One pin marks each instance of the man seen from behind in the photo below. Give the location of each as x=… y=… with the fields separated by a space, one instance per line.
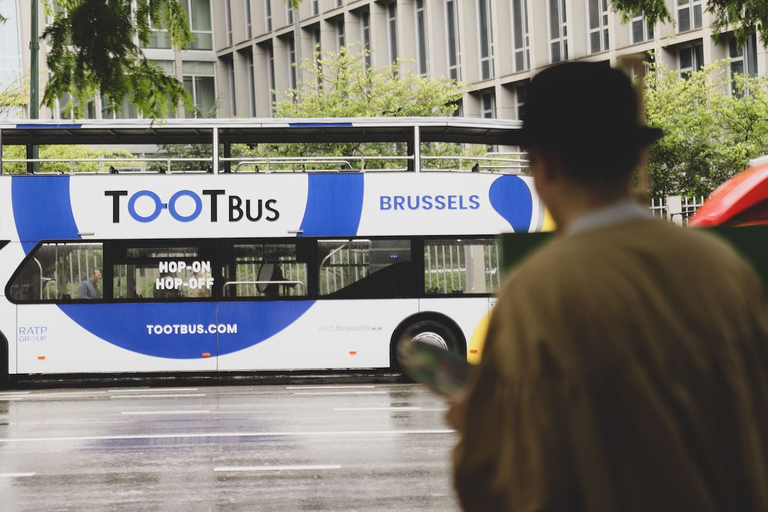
x=626 y=365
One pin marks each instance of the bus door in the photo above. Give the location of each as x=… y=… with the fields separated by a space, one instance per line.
x=168 y=288
x=265 y=291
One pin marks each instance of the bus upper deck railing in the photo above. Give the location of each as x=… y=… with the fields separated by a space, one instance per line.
x=506 y=163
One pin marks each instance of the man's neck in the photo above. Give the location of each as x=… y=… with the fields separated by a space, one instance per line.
x=577 y=203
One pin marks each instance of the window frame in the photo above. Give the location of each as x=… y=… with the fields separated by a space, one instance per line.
x=420 y=15
x=691 y=6
x=599 y=27
x=453 y=41
x=521 y=42
x=219 y=253
x=485 y=40
x=561 y=38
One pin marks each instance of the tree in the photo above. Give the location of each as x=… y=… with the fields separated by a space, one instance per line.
x=710 y=135
x=67 y=156
x=14 y=95
x=93 y=49
x=745 y=16
x=342 y=85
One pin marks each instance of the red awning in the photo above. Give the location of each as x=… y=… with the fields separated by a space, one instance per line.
x=741 y=200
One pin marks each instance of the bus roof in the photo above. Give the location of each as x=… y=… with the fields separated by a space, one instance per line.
x=201 y=131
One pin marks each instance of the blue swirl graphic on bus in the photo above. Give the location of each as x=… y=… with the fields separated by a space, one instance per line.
x=334 y=205
x=42 y=209
x=186 y=330
x=512 y=199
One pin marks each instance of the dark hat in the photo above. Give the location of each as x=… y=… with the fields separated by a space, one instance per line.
x=583 y=105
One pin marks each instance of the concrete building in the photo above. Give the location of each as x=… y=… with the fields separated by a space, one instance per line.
x=196 y=66
x=495 y=46
x=245 y=49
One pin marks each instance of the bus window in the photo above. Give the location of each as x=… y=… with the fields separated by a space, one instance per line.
x=164 y=271
x=55 y=271
x=365 y=269
x=461 y=266
x=265 y=270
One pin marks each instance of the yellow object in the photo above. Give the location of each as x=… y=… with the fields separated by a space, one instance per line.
x=549 y=222
x=477 y=341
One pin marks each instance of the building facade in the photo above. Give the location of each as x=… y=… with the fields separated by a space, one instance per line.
x=195 y=66
x=246 y=51
x=494 y=46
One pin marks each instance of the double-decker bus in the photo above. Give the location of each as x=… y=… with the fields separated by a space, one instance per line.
x=245 y=259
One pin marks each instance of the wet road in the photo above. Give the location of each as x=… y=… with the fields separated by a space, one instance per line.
x=378 y=447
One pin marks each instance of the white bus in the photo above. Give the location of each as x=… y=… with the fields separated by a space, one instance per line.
x=227 y=263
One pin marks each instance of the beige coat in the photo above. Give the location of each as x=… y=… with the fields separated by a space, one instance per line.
x=626 y=369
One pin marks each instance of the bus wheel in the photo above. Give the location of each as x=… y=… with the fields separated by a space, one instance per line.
x=429 y=331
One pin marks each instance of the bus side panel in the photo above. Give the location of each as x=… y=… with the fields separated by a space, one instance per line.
x=330 y=334
x=52 y=341
x=467 y=312
x=10 y=257
x=8 y=331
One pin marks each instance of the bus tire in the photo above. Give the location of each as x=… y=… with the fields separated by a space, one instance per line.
x=4 y=379
x=435 y=329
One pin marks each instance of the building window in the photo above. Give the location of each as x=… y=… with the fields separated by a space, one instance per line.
x=743 y=61
x=366 y=36
x=11 y=69
x=690 y=58
x=339 y=3
x=558 y=31
x=520 y=37
x=452 y=33
x=315 y=7
x=292 y=62
x=289 y=13
x=688 y=15
x=520 y=95
x=485 y=28
x=421 y=37
x=126 y=111
x=199 y=14
x=598 y=26
x=251 y=84
x=340 y=41
x=640 y=29
x=271 y=74
x=228 y=17
x=160 y=39
x=317 y=49
x=232 y=94
x=268 y=15
x=199 y=81
x=316 y=41
x=488 y=105
x=248 y=30
x=392 y=30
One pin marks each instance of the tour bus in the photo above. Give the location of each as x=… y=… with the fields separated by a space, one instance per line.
x=245 y=259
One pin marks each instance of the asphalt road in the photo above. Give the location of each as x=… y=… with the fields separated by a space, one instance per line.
x=367 y=447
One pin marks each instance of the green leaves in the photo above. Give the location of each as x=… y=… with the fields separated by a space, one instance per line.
x=92 y=49
x=710 y=133
x=744 y=17
x=341 y=85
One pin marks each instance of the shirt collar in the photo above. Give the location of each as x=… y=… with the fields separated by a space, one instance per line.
x=620 y=212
